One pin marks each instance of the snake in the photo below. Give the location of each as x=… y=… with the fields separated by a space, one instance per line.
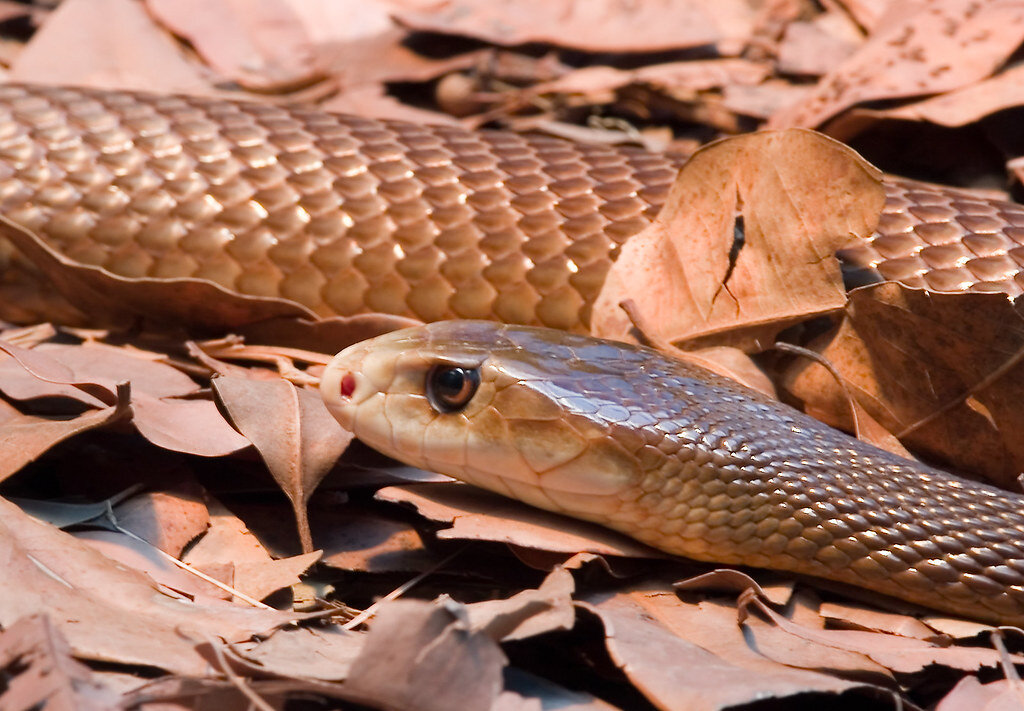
x=512 y=235
x=675 y=456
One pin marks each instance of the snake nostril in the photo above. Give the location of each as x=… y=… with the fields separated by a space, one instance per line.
x=348 y=385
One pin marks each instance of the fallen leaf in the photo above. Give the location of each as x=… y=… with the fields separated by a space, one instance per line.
x=901 y=654
x=971 y=695
x=475 y=514
x=108 y=612
x=39 y=672
x=168 y=520
x=291 y=429
x=121 y=301
x=600 y=25
x=681 y=271
x=695 y=679
x=528 y=613
x=23 y=438
x=917 y=48
x=305 y=652
x=922 y=364
x=106 y=43
x=261 y=46
x=426 y=656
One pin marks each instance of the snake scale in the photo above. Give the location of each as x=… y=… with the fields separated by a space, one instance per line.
x=348 y=215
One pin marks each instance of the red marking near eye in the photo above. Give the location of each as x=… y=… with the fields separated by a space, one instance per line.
x=348 y=385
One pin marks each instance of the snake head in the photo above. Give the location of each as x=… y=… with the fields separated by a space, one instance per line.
x=486 y=404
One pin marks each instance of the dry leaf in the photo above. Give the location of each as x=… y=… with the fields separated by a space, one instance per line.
x=962 y=106
x=293 y=432
x=695 y=679
x=917 y=48
x=111 y=43
x=971 y=695
x=475 y=514
x=23 y=438
x=40 y=675
x=598 y=25
x=802 y=197
x=108 y=612
x=168 y=520
x=907 y=355
x=115 y=300
x=426 y=656
x=528 y=613
x=260 y=45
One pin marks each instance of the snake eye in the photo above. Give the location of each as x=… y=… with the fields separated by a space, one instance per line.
x=450 y=388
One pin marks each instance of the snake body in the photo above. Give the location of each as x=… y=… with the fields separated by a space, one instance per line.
x=348 y=215
x=684 y=460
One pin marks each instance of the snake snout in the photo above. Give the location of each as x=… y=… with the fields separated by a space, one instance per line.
x=343 y=387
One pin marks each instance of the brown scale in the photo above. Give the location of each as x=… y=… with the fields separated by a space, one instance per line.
x=346 y=214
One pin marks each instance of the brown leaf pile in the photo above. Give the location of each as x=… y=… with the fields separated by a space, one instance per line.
x=183 y=526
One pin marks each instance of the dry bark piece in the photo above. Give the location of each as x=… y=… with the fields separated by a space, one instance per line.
x=40 y=674
x=938 y=370
x=475 y=514
x=426 y=656
x=291 y=429
x=802 y=196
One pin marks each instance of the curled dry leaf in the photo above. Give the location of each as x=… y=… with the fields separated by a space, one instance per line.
x=755 y=645
x=941 y=371
x=326 y=335
x=291 y=429
x=89 y=373
x=971 y=695
x=230 y=548
x=963 y=106
x=801 y=196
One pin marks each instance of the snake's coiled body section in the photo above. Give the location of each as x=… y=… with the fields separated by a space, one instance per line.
x=685 y=460
x=346 y=215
